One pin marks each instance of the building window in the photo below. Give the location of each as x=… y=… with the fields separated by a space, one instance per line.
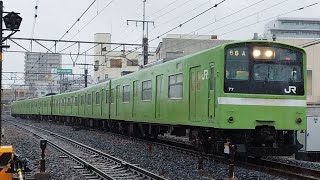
x=309 y=82
x=89 y=99
x=106 y=76
x=132 y=62
x=112 y=96
x=126 y=93
x=115 y=63
x=176 y=86
x=97 y=97
x=146 y=90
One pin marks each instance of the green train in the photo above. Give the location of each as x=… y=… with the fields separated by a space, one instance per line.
x=250 y=94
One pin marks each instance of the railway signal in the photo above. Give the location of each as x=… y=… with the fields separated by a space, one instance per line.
x=12 y=22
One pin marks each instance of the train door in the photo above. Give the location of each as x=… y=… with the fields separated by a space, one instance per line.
x=194 y=94
x=117 y=99
x=135 y=98
x=158 y=96
x=211 y=111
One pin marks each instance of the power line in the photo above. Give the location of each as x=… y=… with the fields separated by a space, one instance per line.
x=298 y=9
x=192 y=10
x=180 y=25
x=230 y=22
x=77 y=20
x=163 y=8
x=88 y=22
x=35 y=18
x=179 y=6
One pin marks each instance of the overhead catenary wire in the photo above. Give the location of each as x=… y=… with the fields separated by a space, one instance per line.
x=35 y=18
x=185 y=22
x=77 y=20
x=288 y=12
x=298 y=9
x=232 y=22
x=98 y=13
x=194 y=17
x=67 y=31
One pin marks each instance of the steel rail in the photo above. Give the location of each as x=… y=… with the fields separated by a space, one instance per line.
x=135 y=169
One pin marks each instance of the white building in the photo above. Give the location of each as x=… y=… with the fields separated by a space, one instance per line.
x=112 y=64
x=285 y=27
x=38 y=68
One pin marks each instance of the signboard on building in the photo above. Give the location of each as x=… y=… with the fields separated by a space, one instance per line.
x=61 y=71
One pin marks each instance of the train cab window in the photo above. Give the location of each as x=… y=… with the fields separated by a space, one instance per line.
x=112 y=96
x=107 y=96
x=126 y=93
x=146 y=90
x=212 y=77
x=97 y=97
x=237 y=64
x=89 y=99
x=176 y=86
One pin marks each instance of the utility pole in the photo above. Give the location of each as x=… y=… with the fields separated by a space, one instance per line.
x=85 y=72
x=12 y=22
x=1 y=11
x=145 y=25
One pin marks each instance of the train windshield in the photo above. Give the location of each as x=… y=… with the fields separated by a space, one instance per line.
x=264 y=70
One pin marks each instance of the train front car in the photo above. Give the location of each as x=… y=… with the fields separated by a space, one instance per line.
x=263 y=102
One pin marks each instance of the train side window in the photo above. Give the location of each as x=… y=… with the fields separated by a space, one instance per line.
x=97 y=97
x=212 y=77
x=75 y=101
x=176 y=86
x=82 y=100
x=199 y=80
x=69 y=102
x=89 y=99
x=126 y=93
x=146 y=90
x=107 y=95
x=112 y=96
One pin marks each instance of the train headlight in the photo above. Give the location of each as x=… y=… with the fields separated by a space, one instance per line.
x=268 y=53
x=263 y=53
x=230 y=119
x=299 y=120
x=256 y=53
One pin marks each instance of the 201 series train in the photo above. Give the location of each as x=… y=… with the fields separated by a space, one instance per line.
x=249 y=93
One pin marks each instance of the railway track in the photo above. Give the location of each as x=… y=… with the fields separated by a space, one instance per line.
x=90 y=163
x=262 y=165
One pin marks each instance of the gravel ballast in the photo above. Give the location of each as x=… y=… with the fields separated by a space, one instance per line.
x=167 y=163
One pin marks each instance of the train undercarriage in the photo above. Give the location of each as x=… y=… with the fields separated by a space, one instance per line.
x=258 y=142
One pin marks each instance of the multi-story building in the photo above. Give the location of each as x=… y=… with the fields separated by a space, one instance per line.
x=112 y=64
x=177 y=45
x=284 y=27
x=38 y=68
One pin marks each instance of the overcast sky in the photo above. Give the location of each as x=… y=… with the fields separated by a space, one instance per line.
x=55 y=17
